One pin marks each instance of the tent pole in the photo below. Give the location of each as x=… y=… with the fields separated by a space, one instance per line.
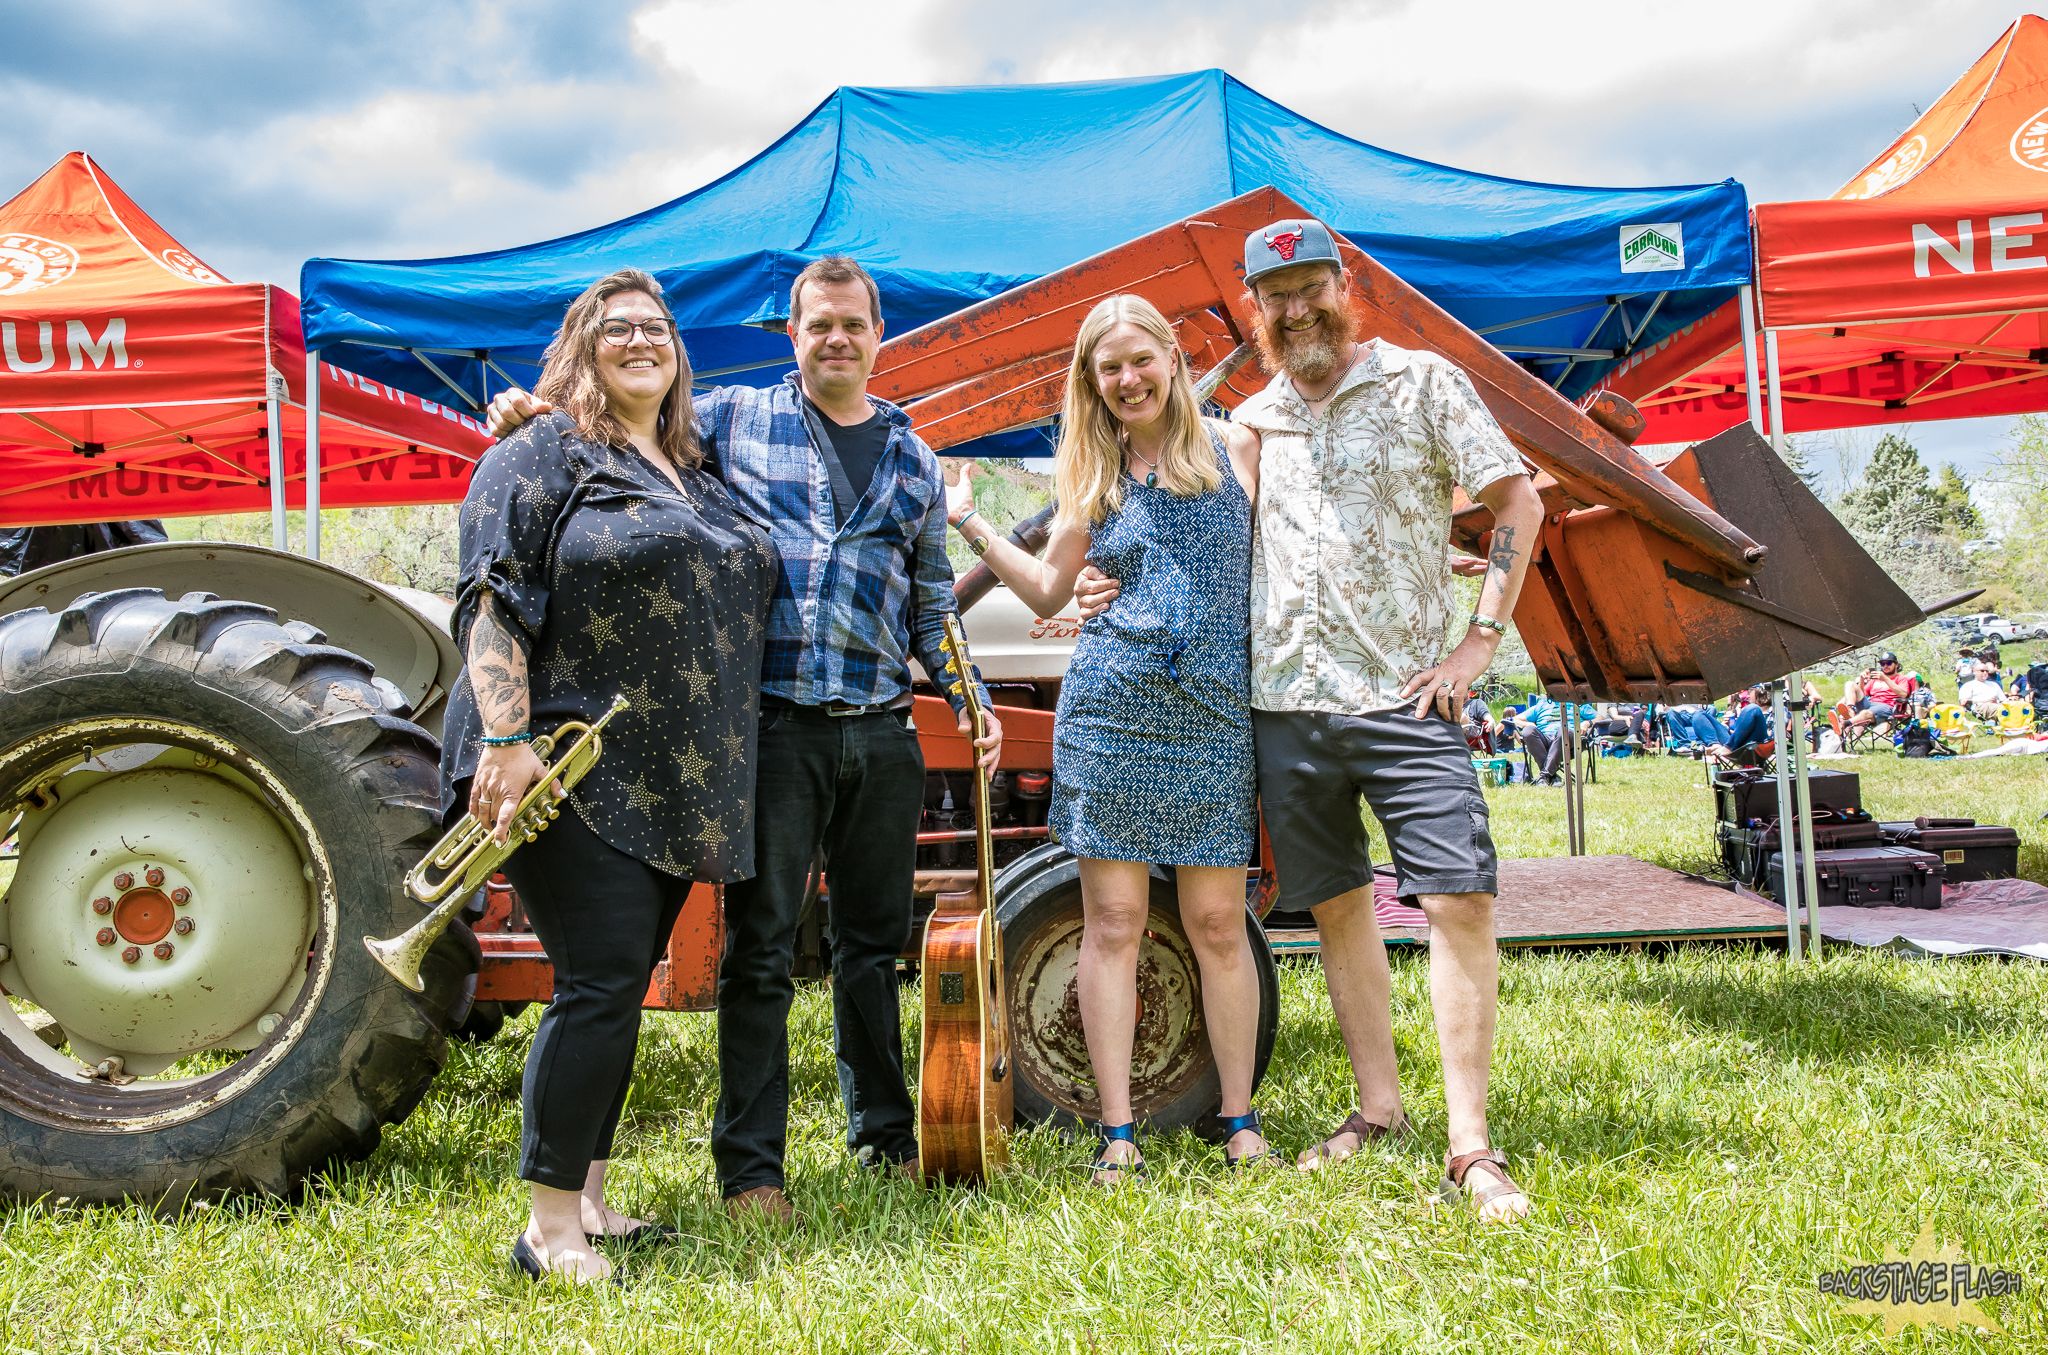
x=1777 y=396
x=279 y=538
x=1749 y=386
x=1788 y=846
x=1802 y=793
x=312 y=453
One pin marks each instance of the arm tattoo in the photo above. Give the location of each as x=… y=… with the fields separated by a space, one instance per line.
x=497 y=673
x=1502 y=556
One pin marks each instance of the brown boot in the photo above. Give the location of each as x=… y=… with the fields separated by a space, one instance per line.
x=766 y=1204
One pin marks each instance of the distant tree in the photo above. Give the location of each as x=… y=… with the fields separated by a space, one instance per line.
x=1954 y=493
x=1892 y=498
x=2019 y=482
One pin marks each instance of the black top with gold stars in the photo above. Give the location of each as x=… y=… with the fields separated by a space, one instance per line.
x=618 y=585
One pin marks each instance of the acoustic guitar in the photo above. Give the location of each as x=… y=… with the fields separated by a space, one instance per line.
x=964 y=1092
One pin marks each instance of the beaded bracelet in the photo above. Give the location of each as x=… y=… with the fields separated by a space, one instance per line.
x=1488 y=623
x=506 y=740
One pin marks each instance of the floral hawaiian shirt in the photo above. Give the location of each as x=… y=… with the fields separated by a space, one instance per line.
x=1351 y=586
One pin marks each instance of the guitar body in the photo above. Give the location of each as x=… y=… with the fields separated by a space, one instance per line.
x=964 y=1091
x=964 y=1108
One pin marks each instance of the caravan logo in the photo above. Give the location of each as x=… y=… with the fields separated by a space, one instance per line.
x=2030 y=142
x=1655 y=248
x=185 y=266
x=1901 y=165
x=29 y=261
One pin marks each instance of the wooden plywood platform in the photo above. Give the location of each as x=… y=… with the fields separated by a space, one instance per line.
x=1589 y=901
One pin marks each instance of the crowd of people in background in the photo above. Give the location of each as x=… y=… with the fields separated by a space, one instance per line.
x=1881 y=700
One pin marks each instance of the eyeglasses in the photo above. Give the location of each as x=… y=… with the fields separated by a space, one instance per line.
x=619 y=333
x=1889 y=663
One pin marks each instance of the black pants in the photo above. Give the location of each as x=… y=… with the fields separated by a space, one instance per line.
x=852 y=786
x=1542 y=752
x=604 y=918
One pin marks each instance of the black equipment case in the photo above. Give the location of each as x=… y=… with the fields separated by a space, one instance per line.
x=1968 y=850
x=1746 y=852
x=1869 y=877
x=1746 y=795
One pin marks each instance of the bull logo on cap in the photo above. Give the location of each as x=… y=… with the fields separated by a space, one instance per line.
x=1283 y=244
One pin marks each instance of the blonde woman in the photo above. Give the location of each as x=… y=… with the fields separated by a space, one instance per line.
x=1152 y=745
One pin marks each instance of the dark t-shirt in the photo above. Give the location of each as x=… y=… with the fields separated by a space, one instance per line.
x=859 y=446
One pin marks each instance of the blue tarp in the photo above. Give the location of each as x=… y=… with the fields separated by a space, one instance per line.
x=949 y=196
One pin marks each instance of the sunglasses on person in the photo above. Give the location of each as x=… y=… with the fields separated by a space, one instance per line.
x=1889 y=664
x=619 y=333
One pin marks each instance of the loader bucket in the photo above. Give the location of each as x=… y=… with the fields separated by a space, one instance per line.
x=1618 y=611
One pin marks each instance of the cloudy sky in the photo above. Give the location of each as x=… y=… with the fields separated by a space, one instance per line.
x=262 y=132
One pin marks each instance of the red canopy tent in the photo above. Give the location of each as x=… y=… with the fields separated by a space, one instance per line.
x=135 y=381
x=1919 y=291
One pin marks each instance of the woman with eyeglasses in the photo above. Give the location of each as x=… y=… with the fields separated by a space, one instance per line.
x=600 y=560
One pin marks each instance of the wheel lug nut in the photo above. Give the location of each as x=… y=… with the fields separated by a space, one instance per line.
x=103 y=905
x=154 y=876
x=183 y=926
x=124 y=881
x=105 y=936
x=163 y=950
x=181 y=896
x=131 y=955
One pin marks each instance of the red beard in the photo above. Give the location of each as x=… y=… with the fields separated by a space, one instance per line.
x=1311 y=357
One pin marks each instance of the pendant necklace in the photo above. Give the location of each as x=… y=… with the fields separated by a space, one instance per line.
x=1151 y=475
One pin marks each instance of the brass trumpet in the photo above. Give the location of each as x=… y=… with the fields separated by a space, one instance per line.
x=466 y=856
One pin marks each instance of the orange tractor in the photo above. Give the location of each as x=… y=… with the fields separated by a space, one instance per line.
x=217 y=763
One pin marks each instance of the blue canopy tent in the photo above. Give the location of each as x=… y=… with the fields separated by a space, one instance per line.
x=949 y=196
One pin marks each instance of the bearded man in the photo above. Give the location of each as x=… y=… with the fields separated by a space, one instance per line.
x=1356 y=684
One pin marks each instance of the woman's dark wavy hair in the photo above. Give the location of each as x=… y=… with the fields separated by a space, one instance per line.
x=570 y=382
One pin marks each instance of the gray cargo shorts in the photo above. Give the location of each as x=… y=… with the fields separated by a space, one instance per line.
x=1416 y=775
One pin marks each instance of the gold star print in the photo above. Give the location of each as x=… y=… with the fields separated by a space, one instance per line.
x=635 y=509
x=638 y=796
x=662 y=604
x=699 y=680
x=668 y=865
x=602 y=629
x=702 y=573
x=693 y=764
x=735 y=746
x=750 y=626
x=722 y=642
x=479 y=509
x=560 y=669
x=712 y=834
x=535 y=489
x=605 y=546
x=641 y=695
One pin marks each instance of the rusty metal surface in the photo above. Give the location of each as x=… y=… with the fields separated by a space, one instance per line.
x=1027 y=736
x=1000 y=363
x=515 y=968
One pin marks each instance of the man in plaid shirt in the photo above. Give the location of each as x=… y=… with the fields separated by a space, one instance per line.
x=839 y=768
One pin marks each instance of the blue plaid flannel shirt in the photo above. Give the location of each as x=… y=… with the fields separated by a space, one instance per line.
x=856 y=597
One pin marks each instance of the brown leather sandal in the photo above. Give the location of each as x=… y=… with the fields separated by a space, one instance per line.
x=1456 y=1169
x=1366 y=1132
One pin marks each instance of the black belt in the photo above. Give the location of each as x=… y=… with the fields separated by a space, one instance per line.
x=835 y=709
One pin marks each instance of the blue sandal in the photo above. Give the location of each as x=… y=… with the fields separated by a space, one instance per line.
x=1233 y=1125
x=1114 y=1133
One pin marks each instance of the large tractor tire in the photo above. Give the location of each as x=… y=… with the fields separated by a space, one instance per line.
x=212 y=808
x=1173 y=1073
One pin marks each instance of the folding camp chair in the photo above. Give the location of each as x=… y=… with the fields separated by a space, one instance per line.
x=2015 y=720
x=1953 y=725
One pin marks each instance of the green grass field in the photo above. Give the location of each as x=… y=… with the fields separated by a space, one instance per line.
x=1703 y=1132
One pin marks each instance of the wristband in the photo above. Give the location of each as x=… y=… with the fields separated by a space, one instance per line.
x=1488 y=624
x=506 y=740
x=961 y=525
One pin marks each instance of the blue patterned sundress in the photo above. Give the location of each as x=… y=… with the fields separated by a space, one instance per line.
x=1152 y=741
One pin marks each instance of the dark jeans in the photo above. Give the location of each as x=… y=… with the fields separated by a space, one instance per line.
x=1541 y=753
x=604 y=918
x=852 y=786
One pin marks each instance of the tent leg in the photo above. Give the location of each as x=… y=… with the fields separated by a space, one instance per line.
x=1802 y=790
x=312 y=453
x=1789 y=876
x=1749 y=383
x=1777 y=396
x=279 y=538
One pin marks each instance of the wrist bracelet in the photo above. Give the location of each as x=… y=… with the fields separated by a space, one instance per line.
x=506 y=740
x=961 y=525
x=1496 y=627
